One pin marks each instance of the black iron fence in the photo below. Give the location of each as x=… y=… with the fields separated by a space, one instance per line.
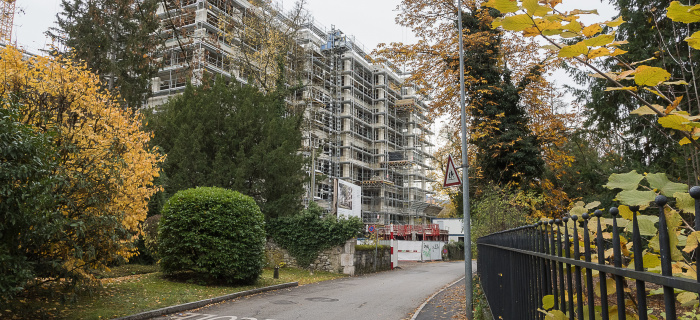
x=520 y=267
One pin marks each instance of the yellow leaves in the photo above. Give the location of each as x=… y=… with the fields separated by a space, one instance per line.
x=615 y=23
x=674 y=121
x=573 y=50
x=644 y=110
x=600 y=52
x=694 y=40
x=504 y=6
x=621 y=88
x=692 y=242
x=650 y=76
x=600 y=40
x=109 y=145
x=591 y=30
x=682 y=13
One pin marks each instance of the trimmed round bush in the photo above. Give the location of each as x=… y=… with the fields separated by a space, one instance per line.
x=216 y=233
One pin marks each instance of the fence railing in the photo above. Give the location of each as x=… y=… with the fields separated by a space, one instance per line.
x=519 y=267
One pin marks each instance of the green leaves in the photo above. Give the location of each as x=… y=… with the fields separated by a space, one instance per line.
x=660 y=182
x=573 y=50
x=518 y=22
x=624 y=181
x=635 y=198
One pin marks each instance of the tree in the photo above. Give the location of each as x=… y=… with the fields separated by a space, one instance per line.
x=235 y=137
x=434 y=66
x=101 y=155
x=508 y=152
x=116 y=39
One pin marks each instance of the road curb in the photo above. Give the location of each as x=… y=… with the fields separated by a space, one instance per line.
x=415 y=314
x=202 y=303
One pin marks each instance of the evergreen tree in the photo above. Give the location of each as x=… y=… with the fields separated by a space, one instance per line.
x=235 y=137
x=116 y=39
x=508 y=152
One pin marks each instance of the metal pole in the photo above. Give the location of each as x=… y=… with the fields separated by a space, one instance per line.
x=465 y=173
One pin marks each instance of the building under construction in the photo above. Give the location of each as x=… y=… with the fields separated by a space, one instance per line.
x=365 y=126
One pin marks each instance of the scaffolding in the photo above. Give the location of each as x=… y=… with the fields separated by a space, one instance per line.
x=7 y=17
x=365 y=126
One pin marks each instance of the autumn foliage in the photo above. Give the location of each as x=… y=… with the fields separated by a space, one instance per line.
x=102 y=157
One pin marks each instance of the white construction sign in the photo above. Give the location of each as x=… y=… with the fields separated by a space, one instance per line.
x=348 y=199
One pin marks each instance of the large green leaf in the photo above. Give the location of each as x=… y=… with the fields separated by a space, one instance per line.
x=646 y=227
x=534 y=8
x=624 y=181
x=518 y=22
x=600 y=40
x=660 y=182
x=684 y=202
x=635 y=197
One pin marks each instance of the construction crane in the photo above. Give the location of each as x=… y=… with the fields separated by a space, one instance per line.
x=7 y=17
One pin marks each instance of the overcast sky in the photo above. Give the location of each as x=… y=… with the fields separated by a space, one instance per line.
x=370 y=21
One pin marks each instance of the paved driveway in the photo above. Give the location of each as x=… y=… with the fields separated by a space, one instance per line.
x=385 y=295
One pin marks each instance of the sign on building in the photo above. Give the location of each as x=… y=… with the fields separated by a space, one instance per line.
x=348 y=199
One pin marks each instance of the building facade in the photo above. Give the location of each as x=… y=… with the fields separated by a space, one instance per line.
x=364 y=125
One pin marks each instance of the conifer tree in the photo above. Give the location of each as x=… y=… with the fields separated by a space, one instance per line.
x=233 y=136
x=116 y=39
x=508 y=152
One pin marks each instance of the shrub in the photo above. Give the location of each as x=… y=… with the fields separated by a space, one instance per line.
x=216 y=233
x=499 y=209
x=307 y=234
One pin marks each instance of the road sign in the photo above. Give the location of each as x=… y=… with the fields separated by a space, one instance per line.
x=451 y=174
x=371 y=228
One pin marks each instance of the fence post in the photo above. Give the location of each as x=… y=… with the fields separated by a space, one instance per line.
x=579 y=285
x=617 y=262
x=601 y=260
x=553 y=265
x=665 y=253
x=695 y=193
x=638 y=265
x=589 y=272
x=569 y=280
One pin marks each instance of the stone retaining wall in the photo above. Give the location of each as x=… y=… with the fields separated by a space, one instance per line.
x=341 y=259
x=365 y=260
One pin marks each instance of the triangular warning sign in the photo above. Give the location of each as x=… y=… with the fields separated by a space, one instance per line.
x=451 y=175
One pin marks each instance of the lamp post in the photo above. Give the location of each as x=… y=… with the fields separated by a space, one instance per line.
x=465 y=173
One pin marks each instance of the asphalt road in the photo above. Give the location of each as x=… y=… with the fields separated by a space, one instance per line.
x=385 y=295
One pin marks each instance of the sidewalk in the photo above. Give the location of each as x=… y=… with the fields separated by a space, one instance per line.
x=448 y=304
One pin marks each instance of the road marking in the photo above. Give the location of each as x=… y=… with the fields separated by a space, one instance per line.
x=204 y=316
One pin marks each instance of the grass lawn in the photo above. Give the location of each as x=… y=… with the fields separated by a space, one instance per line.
x=135 y=290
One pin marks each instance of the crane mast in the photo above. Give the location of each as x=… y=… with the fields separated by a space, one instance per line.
x=7 y=16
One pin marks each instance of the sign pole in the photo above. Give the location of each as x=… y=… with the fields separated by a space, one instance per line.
x=465 y=173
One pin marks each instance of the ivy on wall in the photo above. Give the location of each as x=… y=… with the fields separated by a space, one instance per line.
x=307 y=234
